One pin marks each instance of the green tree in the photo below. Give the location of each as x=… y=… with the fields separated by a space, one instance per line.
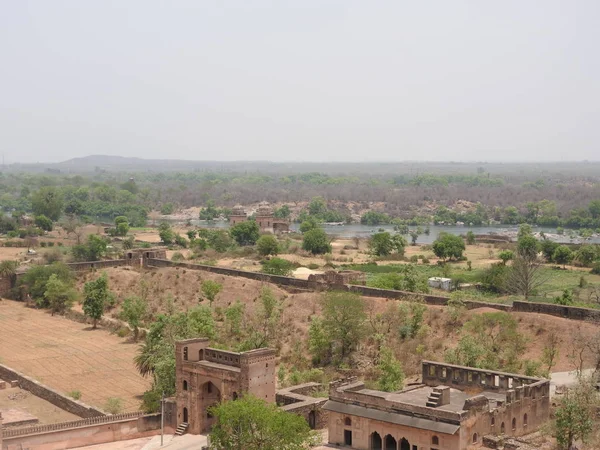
x=309 y=224
x=121 y=225
x=282 y=213
x=343 y=320
x=93 y=250
x=562 y=255
x=250 y=423
x=43 y=222
x=505 y=256
x=210 y=212
x=448 y=246
x=166 y=233
x=278 y=266
x=96 y=297
x=267 y=245
x=36 y=280
x=316 y=241
x=391 y=375
x=59 y=295
x=470 y=238
x=48 y=201
x=317 y=206
x=586 y=254
x=384 y=243
x=594 y=208
x=245 y=233
x=525 y=274
x=8 y=269
x=211 y=289
x=319 y=344
x=133 y=311
x=574 y=415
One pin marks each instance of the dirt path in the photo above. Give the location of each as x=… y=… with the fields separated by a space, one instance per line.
x=69 y=356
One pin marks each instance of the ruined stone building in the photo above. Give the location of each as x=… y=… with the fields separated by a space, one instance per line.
x=452 y=409
x=206 y=376
x=264 y=216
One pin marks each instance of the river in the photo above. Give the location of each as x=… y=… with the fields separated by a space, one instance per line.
x=359 y=230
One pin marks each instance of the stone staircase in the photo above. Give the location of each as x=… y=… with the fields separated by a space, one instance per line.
x=435 y=399
x=181 y=429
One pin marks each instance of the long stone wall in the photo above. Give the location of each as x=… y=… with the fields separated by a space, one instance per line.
x=317 y=286
x=91 y=265
x=96 y=430
x=56 y=398
x=569 y=312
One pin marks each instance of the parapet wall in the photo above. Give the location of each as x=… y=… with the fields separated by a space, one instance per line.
x=97 y=430
x=91 y=265
x=38 y=389
x=461 y=377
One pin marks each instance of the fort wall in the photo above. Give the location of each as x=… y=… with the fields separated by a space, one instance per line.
x=95 y=430
x=56 y=398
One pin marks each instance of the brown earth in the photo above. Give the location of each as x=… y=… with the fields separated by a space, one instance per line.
x=68 y=356
x=46 y=412
x=183 y=285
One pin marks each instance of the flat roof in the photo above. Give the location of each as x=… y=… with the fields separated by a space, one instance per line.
x=397 y=418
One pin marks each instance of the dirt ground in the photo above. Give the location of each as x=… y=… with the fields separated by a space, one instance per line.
x=46 y=412
x=183 y=286
x=69 y=356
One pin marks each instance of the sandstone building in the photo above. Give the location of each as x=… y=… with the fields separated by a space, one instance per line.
x=267 y=222
x=206 y=376
x=452 y=409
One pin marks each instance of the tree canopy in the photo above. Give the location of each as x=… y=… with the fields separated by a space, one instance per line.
x=448 y=246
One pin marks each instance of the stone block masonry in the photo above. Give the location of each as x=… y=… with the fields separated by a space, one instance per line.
x=56 y=398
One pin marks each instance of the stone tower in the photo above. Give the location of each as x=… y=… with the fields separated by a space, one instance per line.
x=206 y=376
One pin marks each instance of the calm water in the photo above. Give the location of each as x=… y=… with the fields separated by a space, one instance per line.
x=358 y=230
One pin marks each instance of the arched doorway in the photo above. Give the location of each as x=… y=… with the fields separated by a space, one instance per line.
x=210 y=395
x=376 y=443
x=185 y=415
x=311 y=420
x=404 y=445
x=390 y=443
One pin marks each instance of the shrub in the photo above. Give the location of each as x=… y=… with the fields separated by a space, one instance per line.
x=114 y=405
x=267 y=244
x=596 y=268
x=74 y=394
x=316 y=241
x=313 y=266
x=278 y=266
x=177 y=256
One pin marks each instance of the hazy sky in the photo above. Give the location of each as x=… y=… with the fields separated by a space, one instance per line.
x=304 y=80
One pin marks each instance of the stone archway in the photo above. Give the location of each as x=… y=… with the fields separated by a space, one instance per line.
x=390 y=443
x=376 y=442
x=210 y=395
x=404 y=445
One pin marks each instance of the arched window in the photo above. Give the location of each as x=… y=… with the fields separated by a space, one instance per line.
x=475 y=438
x=525 y=420
x=493 y=421
x=435 y=440
x=348 y=422
x=235 y=396
x=185 y=353
x=502 y=428
x=514 y=423
x=185 y=385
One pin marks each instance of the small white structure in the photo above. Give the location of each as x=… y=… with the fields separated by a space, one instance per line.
x=440 y=283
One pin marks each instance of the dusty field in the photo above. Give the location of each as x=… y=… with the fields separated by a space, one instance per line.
x=69 y=356
x=46 y=412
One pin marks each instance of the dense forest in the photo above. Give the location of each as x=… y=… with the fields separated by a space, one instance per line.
x=563 y=195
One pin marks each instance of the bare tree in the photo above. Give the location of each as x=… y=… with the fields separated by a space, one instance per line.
x=525 y=276
x=72 y=225
x=550 y=352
